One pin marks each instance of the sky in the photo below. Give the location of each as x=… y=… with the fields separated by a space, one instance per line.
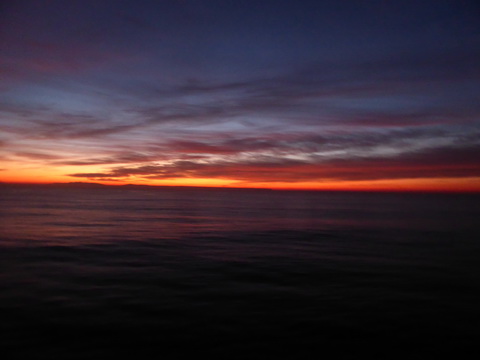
x=335 y=95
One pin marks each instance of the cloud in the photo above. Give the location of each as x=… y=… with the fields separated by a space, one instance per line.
x=120 y=157
x=404 y=91
x=37 y=155
x=364 y=163
x=49 y=124
x=230 y=145
x=300 y=145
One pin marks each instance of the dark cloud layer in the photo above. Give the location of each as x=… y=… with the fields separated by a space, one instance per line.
x=431 y=162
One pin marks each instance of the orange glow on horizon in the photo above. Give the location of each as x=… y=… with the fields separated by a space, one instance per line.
x=467 y=184
x=35 y=174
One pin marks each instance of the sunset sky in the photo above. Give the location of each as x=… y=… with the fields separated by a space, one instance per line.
x=380 y=95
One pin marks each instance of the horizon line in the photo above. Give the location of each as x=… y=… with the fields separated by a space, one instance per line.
x=84 y=183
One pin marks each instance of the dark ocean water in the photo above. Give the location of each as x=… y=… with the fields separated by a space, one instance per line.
x=101 y=272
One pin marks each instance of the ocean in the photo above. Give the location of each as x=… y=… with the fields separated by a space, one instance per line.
x=90 y=272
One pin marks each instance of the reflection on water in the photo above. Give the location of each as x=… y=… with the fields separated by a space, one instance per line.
x=92 y=271
x=105 y=215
